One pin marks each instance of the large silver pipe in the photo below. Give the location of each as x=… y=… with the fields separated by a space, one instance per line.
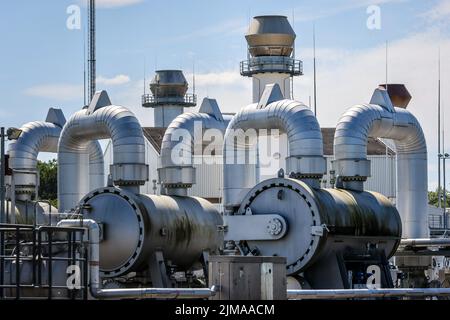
x=386 y=121
x=127 y=293
x=115 y=122
x=366 y=293
x=177 y=172
x=294 y=119
x=43 y=136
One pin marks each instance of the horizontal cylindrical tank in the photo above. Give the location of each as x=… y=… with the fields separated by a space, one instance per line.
x=169 y=83
x=134 y=227
x=319 y=219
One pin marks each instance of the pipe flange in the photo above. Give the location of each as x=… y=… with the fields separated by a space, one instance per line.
x=129 y=260
x=297 y=258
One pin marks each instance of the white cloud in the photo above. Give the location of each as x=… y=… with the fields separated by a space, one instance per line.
x=310 y=13
x=59 y=92
x=439 y=12
x=227 y=27
x=114 y=81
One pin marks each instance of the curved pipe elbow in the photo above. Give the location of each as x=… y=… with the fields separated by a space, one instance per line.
x=78 y=146
x=290 y=117
x=36 y=137
x=182 y=140
x=350 y=148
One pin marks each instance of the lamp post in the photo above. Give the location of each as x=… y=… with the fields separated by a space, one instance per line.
x=444 y=157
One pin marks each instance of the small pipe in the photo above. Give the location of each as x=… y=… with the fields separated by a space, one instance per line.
x=366 y=293
x=128 y=293
x=426 y=242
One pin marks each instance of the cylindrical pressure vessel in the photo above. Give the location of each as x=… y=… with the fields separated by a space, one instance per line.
x=319 y=221
x=134 y=227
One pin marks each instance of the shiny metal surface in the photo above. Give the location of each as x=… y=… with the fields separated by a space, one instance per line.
x=270 y=36
x=367 y=293
x=168 y=83
x=95 y=283
x=135 y=226
x=177 y=157
x=39 y=136
x=350 y=145
x=316 y=218
x=108 y=122
x=294 y=119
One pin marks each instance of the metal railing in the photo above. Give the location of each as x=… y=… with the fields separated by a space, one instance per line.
x=436 y=221
x=271 y=64
x=149 y=100
x=27 y=246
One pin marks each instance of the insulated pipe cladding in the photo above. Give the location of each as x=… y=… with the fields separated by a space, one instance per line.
x=138 y=229
x=37 y=137
x=135 y=227
x=177 y=172
x=321 y=232
x=100 y=120
x=380 y=119
x=305 y=159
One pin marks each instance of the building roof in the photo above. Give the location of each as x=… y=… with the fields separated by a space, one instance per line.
x=374 y=147
x=155 y=137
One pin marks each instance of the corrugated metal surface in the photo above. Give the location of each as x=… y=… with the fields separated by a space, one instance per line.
x=208 y=177
x=383 y=179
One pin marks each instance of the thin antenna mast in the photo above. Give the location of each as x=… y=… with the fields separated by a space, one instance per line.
x=193 y=77
x=293 y=54
x=386 y=82
x=315 y=75
x=145 y=75
x=439 y=127
x=91 y=43
x=84 y=67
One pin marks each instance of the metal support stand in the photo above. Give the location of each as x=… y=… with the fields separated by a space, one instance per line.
x=205 y=264
x=158 y=271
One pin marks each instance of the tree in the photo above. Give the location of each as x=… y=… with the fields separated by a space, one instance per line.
x=48 y=188
x=433 y=198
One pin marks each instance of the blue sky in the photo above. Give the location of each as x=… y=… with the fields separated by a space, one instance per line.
x=41 y=61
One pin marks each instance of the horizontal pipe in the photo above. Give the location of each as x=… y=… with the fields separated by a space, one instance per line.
x=426 y=242
x=367 y=293
x=157 y=293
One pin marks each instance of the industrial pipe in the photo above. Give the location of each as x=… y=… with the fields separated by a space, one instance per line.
x=366 y=293
x=293 y=118
x=383 y=120
x=36 y=137
x=177 y=172
x=43 y=136
x=100 y=121
x=127 y=293
x=426 y=242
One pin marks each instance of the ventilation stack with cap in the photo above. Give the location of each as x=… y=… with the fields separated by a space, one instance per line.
x=270 y=55
x=168 y=96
